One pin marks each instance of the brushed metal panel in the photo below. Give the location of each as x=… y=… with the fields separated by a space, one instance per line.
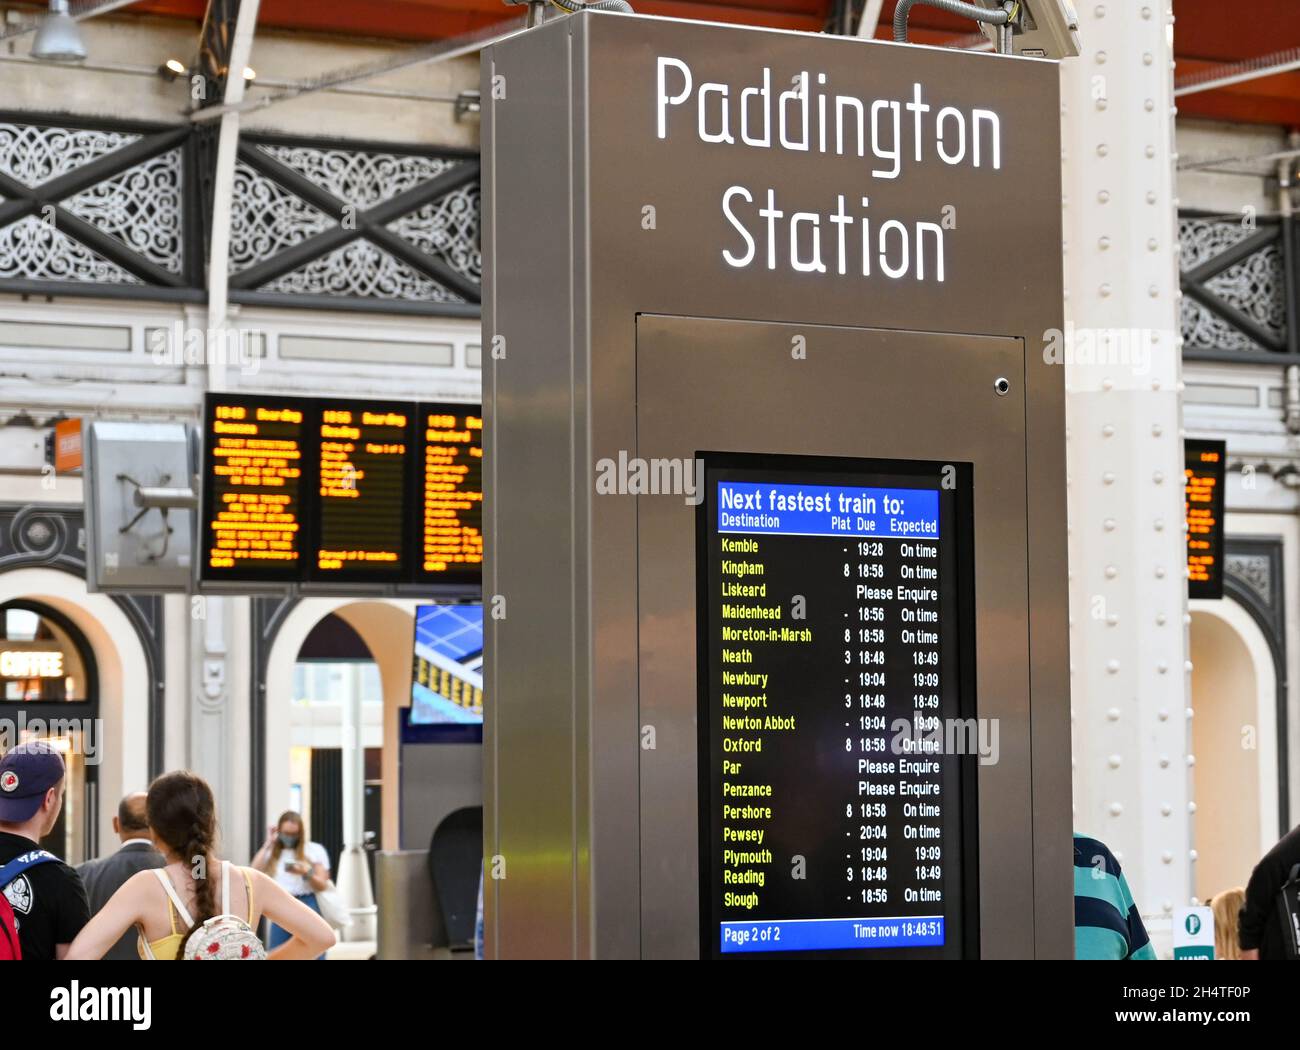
x=734 y=386
x=1004 y=277
x=529 y=739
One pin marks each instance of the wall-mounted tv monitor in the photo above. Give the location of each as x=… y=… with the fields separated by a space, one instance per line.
x=446 y=674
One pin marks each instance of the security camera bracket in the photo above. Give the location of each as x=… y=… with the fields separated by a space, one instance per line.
x=1042 y=29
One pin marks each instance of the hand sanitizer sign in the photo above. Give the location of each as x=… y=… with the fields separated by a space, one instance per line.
x=1193 y=933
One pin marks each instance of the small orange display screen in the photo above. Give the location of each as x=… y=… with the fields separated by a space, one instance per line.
x=1204 y=499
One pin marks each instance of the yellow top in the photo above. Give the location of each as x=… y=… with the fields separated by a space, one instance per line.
x=167 y=947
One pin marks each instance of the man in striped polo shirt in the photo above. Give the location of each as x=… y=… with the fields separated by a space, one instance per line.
x=1106 y=921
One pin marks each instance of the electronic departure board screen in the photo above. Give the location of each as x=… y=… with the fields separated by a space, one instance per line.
x=837 y=765
x=362 y=463
x=252 y=486
x=1206 y=475
x=451 y=490
x=342 y=493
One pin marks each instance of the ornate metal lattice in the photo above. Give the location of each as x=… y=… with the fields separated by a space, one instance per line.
x=34 y=154
x=268 y=219
x=142 y=207
x=318 y=222
x=123 y=211
x=448 y=229
x=359 y=268
x=1235 y=288
x=84 y=206
x=362 y=179
x=36 y=250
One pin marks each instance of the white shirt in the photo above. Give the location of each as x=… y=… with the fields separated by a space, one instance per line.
x=313 y=853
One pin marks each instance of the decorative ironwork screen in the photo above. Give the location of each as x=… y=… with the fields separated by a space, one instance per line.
x=118 y=211
x=96 y=209
x=373 y=225
x=1239 y=286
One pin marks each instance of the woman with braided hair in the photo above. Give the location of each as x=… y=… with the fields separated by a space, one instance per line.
x=183 y=822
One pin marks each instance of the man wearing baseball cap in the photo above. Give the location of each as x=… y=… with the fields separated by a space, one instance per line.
x=48 y=899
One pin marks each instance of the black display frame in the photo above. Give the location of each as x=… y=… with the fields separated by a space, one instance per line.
x=401 y=570
x=438 y=732
x=965 y=945
x=467 y=579
x=307 y=468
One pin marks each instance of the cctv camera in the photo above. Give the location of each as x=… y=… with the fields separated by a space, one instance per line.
x=1044 y=28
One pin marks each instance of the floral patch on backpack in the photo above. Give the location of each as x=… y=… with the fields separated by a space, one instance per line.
x=224 y=937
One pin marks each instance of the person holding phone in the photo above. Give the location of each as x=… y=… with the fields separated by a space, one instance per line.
x=300 y=866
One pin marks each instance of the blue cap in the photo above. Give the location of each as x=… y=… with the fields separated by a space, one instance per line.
x=27 y=772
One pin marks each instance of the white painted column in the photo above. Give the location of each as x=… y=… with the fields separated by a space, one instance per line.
x=217 y=736
x=241 y=50
x=1128 y=592
x=210 y=706
x=353 y=878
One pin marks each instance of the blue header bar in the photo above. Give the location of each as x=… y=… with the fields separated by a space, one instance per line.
x=827 y=510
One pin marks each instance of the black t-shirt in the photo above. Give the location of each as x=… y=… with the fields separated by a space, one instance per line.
x=49 y=901
x=1261 y=926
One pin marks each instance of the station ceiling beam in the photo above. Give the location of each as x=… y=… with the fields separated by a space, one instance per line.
x=1208 y=36
x=425 y=54
x=870 y=20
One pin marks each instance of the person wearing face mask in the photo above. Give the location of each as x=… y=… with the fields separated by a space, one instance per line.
x=300 y=866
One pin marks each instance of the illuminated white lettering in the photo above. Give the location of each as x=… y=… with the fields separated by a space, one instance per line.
x=764 y=93
x=771 y=213
x=799 y=94
x=666 y=100
x=815 y=264
x=901 y=268
x=725 y=134
x=748 y=257
x=987 y=116
x=948 y=113
x=894 y=154
x=794 y=239
x=916 y=107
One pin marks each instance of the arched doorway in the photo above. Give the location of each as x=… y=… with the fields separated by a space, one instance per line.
x=49 y=691
x=118 y=728
x=386 y=629
x=1234 y=741
x=335 y=678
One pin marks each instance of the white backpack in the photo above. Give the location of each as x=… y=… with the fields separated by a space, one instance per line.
x=224 y=936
